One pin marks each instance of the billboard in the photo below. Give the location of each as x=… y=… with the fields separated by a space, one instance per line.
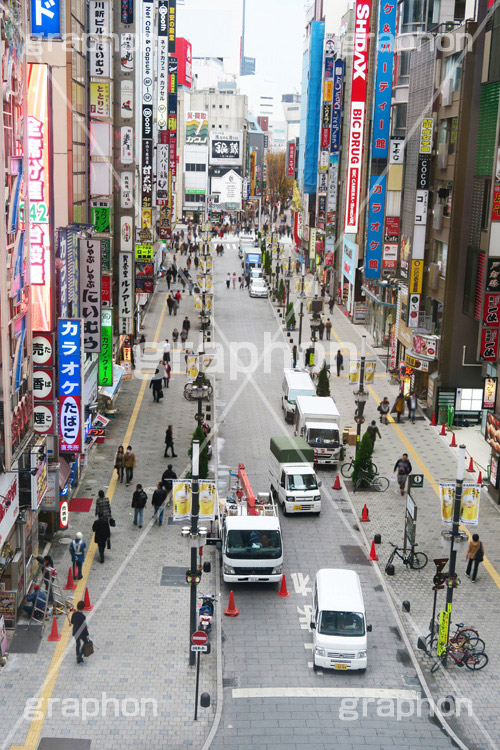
x=383 y=84
x=375 y=231
x=90 y=293
x=45 y=17
x=291 y=159
x=69 y=343
x=196 y=128
x=228 y=188
x=226 y=149
x=39 y=189
x=357 y=115
x=184 y=54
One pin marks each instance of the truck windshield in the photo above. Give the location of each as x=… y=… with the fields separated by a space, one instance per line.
x=325 y=437
x=254 y=545
x=302 y=482
x=341 y=623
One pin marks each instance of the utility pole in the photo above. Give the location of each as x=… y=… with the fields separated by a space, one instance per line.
x=195 y=511
x=301 y=313
x=360 y=396
x=455 y=533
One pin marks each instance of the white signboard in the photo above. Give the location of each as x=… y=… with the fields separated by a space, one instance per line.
x=127 y=99
x=126 y=53
x=90 y=293
x=126 y=234
x=126 y=193
x=100 y=44
x=125 y=291
x=147 y=51
x=127 y=144
x=421 y=202
x=228 y=187
x=226 y=148
x=161 y=174
x=162 y=82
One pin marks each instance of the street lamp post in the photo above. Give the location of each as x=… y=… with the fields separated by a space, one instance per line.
x=455 y=533
x=195 y=511
x=301 y=313
x=360 y=396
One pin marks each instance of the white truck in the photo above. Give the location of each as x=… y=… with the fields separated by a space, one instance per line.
x=316 y=420
x=250 y=535
x=294 y=484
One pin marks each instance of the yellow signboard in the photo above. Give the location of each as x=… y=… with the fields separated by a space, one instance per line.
x=207 y=501
x=444 y=620
x=193 y=366
x=416 y=276
x=100 y=99
x=181 y=492
x=147 y=218
x=144 y=252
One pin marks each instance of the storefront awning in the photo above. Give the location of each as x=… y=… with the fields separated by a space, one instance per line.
x=110 y=391
x=376 y=299
x=64 y=472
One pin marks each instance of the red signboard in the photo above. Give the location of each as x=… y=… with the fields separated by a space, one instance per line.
x=184 y=54
x=199 y=638
x=106 y=290
x=325 y=137
x=489 y=344
x=491 y=310
x=291 y=159
x=391 y=229
x=70 y=426
x=495 y=209
x=173 y=154
x=329 y=259
x=357 y=115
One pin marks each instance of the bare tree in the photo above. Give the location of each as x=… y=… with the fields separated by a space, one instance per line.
x=278 y=184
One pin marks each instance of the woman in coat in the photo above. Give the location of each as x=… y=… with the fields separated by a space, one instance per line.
x=475 y=555
x=155 y=384
x=119 y=465
x=398 y=407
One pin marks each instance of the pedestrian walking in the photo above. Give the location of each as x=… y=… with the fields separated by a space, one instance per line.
x=234 y=280
x=295 y=354
x=139 y=500
x=175 y=335
x=184 y=335
x=168 y=371
x=167 y=481
x=119 y=465
x=142 y=344
x=102 y=534
x=169 y=441
x=228 y=281
x=241 y=282
x=166 y=351
x=186 y=324
x=475 y=555
x=331 y=303
x=80 y=631
x=159 y=498
x=103 y=506
x=328 y=329
x=168 y=277
x=163 y=371
x=398 y=407
x=402 y=468
x=411 y=403
x=321 y=330
x=170 y=303
x=339 y=360
x=77 y=552
x=383 y=408
x=373 y=431
x=129 y=464
x=247 y=280
x=155 y=384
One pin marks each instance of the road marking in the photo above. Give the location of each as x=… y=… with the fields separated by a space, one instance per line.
x=305 y=616
x=55 y=665
x=309 y=646
x=317 y=692
x=301 y=584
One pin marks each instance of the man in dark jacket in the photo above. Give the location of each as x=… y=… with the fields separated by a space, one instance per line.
x=168 y=476
x=169 y=441
x=139 y=500
x=373 y=431
x=159 y=497
x=101 y=534
x=339 y=359
x=403 y=467
x=80 y=631
x=186 y=324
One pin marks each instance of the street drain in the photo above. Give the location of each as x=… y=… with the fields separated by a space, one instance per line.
x=403 y=657
x=354 y=555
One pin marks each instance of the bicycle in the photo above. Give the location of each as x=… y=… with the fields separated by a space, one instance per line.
x=377 y=483
x=416 y=560
x=473 y=660
x=346 y=469
x=462 y=637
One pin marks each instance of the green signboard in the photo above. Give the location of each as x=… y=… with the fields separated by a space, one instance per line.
x=106 y=254
x=106 y=353
x=100 y=216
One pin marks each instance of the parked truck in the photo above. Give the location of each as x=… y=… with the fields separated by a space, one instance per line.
x=294 y=484
x=252 y=258
x=250 y=535
x=316 y=420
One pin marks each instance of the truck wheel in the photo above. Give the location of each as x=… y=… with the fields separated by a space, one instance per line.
x=283 y=507
x=318 y=513
x=315 y=666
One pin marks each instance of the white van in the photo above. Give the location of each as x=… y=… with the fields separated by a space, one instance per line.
x=295 y=383
x=338 y=621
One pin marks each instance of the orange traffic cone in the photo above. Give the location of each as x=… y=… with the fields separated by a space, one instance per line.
x=86 y=600
x=480 y=478
x=54 y=633
x=231 y=610
x=283 y=590
x=364 y=515
x=336 y=484
x=433 y=420
x=443 y=429
x=373 y=554
x=471 y=465
x=70 y=584
x=453 y=443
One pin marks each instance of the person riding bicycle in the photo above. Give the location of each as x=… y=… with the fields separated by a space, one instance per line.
x=402 y=468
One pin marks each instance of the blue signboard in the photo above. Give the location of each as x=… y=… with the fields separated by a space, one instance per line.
x=45 y=17
x=69 y=347
x=375 y=232
x=338 y=82
x=383 y=83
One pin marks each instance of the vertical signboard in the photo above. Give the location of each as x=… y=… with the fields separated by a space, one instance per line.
x=90 y=294
x=100 y=44
x=375 y=231
x=421 y=201
x=147 y=103
x=291 y=159
x=69 y=344
x=383 y=83
x=125 y=291
x=357 y=115
x=106 y=353
x=172 y=11
x=338 y=85
x=162 y=65
x=45 y=17
x=39 y=189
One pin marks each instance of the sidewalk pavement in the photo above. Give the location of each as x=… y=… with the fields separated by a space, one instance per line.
x=140 y=621
x=476 y=604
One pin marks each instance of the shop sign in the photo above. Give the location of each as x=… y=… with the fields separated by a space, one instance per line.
x=417 y=364
x=100 y=99
x=416 y=276
x=421 y=202
x=391 y=229
x=69 y=337
x=494 y=472
x=383 y=83
x=495 y=210
x=144 y=252
x=43 y=384
x=493 y=432
x=338 y=85
x=291 y=159
x=126 y=182
x=127 y=12
x=100 y=216
x=127 y=144
x=9 y=505
x=171 y=25
x=147 y=51
x=425 y=346
x=127 y=60
x=396 y=151
x=43 y=349
x=90 y=294
x=45 y=17
x=100 y=45
x=106 y=353
x=426 y=129
x=125 y=292
x=162 y=65
x=357 y=115
x=44 y=418
x=162 y=164
x=39 y=480
x=63 y=514
x=147 y=173
x=126 y=99
x=105 y=253
x=349 y=260
x=196 y=128
x=491 y=310
x=126 y=234
x=490 y=386
x=106 y=290
x=493 y=275
x=390 y=256
x=375 y=231
x=489 y=344
x=413 y=310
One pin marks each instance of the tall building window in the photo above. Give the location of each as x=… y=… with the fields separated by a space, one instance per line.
x=412 y=16
x=403 y=67
x=440 y=256
x=453 y=70
x=399 y=120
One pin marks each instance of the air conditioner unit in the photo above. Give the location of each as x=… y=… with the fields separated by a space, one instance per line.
x=437 y=216
x=446 y=93
x=433 y=279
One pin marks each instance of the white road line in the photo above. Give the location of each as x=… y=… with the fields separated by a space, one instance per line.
x=308 y=645
x=311 y=692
